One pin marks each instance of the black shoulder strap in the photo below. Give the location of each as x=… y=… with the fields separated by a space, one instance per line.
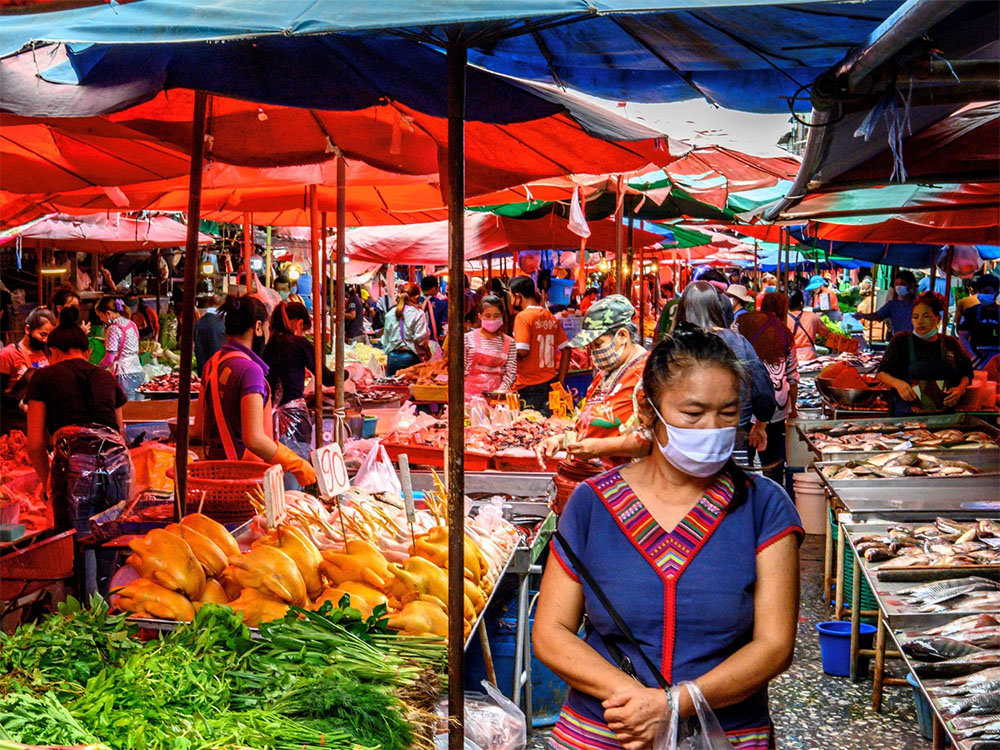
x=623 y=628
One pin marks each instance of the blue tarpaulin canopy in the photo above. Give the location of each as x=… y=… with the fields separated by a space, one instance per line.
x=640 y=50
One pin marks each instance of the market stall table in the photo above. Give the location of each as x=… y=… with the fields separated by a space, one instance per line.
x=885 y=586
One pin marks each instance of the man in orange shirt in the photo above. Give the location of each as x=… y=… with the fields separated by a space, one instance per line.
x=541 y=356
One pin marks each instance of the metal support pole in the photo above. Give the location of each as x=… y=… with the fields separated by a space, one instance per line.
x=186 y=323
x=619 y=212
x=457 y=57
x=317 y=310
x=630 y=264
x=326 y=327
x=156 y=279
x=340 y=293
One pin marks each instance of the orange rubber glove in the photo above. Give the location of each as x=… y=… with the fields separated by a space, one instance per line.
x=299 y=468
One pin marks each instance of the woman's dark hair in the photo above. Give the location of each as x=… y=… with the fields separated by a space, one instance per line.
x=242 y=314
x=906 y=276
x=285 y=313
x=770 y=338
x=407 y=295
x=986 y=281
x=686 y=347
x=524 y=286
x=796 y=300
x=63 y=294
x=931 y=300
x=496 y=286
x=39 y=317
x=68 y=336
x=115 y=305
x=701 y=306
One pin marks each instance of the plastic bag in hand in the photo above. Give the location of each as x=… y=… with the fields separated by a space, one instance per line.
x=376 y=473
x=493 y=722
x=699 y=732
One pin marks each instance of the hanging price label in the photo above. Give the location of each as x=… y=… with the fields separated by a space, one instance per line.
x=274 y=496
x=331 y=471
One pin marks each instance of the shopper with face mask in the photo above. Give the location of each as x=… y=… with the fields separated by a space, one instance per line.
x=898 y=309
x=979 y=326
x=608 y=427
x=121 y=348
x=698 y=560
x=490 y=354
x=234 y=414
x=927 y=370
x=18 y=362
x=541 y=356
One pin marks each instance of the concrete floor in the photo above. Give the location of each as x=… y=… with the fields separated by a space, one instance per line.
x=814 y=711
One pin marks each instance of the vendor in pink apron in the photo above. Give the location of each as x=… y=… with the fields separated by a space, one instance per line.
x=121 y=355
x=608 y=426
x=490 y=354
x=234 y=412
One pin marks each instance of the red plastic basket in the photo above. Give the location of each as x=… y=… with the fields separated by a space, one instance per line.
x=524 y=464
x=424 y=455
x=227 y=486
x=36 y=566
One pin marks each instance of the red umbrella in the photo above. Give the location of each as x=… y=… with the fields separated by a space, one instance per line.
x=101 y=233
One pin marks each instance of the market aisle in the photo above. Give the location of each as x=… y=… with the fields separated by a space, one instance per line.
x=813 y=711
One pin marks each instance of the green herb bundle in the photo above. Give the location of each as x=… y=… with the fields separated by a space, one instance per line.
x=312 y=679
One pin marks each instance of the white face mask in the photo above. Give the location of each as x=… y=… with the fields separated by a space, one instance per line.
x=697 y=452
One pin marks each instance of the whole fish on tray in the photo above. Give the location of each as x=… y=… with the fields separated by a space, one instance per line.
x=985 y=703
x=950 y=588
x=964 y=624
x=934 y=648
x=945 y=543
x=958 y=666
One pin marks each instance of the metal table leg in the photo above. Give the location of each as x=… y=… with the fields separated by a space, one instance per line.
x=521 y=638
x=855 y=614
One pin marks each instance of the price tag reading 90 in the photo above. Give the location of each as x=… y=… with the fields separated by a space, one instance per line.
x=331 y=471
x=274 y=496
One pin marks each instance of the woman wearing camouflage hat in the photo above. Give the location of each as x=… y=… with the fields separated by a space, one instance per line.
x=608 y=427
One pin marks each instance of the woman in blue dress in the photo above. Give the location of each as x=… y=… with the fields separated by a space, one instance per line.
x=699 y=559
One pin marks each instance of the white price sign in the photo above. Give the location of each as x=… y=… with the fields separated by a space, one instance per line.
x=274 y=496
x=331 y=471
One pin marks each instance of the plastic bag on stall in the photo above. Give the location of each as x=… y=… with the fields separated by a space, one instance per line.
x=376 y=473
x=268 y=296
x=502 y=417
x=406 y=420
x=493 y=722
x=154 y=370
x=479 y=412
x=699 y=732
x=294 y=427
x=377 y=370
x=91 y=471
x=475 y=385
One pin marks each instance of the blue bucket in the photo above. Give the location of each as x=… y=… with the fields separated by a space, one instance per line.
x=925 y=714
x=560 y=291
x=369 y=429
x=835 y=646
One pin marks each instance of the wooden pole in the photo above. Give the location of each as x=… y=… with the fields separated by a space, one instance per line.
x=619 y=210
x=341 y=294
x=268 y=274
x=247 y=252
x=457 y=57
x=949 y=259
x=630 y=267
x=642 y=292
x=326 y=293
x=317 y=311
x=186 y=323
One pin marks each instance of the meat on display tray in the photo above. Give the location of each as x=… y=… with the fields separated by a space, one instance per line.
x=893 y=604
x=965 y=498
x=963 y=422
x=903 y=633
x=426 y=455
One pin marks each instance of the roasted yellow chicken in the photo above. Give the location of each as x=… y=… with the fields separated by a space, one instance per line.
x=271 y=572
x=168 y=560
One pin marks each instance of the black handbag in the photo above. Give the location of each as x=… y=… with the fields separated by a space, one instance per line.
x=623 y=661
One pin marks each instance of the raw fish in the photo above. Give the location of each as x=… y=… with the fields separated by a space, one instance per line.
x=938 y=648
x=969 y=664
